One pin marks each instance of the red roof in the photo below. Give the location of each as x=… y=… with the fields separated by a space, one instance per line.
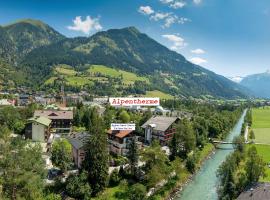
x=120 y=134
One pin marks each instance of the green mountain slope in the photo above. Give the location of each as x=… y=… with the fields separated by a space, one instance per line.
x=34 y=48
x=130 y=50
x=23 y=36
x=258 y=84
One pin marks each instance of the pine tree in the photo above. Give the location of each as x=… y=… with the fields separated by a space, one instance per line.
x=96 y=160
x=133 y=156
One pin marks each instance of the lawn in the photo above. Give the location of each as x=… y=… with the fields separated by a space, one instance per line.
x=65 y=70
x=207 y=149
x=109 y=193
x=78 y=81
x=157 y=93
x=261 y=117
x=262 y=135
x=128 y=77
x=261 y=124
x=264 y=151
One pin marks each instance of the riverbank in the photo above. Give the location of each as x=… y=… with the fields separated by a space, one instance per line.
x=203 y=184
x=206 y=154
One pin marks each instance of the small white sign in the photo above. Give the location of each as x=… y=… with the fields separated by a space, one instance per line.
x=121 y=127
x=134 y=101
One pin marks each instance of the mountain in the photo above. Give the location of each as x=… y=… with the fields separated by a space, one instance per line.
x=130 y=50
x=236 y=79
x=258 y=84
x=21 y=37
x=37 y=49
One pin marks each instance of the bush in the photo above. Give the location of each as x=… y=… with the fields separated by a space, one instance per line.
x=114 y=178
x=78 y=187
x=137 y=192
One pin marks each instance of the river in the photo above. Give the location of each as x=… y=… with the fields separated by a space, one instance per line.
x=204 y=184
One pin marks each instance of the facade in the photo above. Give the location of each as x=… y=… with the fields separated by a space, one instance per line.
x=61 y=120
x=38 y=129
x=161 y=128
x=119 y=140
x=78 y=141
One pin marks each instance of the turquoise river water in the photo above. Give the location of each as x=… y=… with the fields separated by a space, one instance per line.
x=204 y=184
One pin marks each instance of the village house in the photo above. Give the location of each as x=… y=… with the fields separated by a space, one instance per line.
x=119 y=140
x=61 y=120
x=78 y=142
x=38 y=129
x=258 y=191
x=161 y=128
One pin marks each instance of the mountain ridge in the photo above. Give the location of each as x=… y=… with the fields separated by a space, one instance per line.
x=126 y=49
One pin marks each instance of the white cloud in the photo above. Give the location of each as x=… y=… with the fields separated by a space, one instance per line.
x=197 y=60
x=177 y=41
x=178 y=4
x=159 y=16
x=146 y=10
x=86 y=26
x=172 y=19
x=197 y=51
x=174 y=3
x=197 y=1
x=166 y=1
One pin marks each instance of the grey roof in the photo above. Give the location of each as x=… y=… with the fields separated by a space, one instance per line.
x=78 y=140
x=260 y=191
x=162 y=123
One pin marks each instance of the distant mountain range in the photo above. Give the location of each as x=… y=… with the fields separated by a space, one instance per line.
x=258 y=84
x=32 y=50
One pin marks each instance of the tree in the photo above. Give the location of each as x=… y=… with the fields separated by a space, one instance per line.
x=78 y=187
x=97 y=156
x=227 y=187
x=137 y=192
x=61 y=154
x=133 y=156
x=174 y=147
x=124 y=116
x=53 y=197
x=22 y=169
x=254 y=166
x=156 y=161
x=185 y=137
x=238 y=143
x=191 y=163
x=114 y=178
x=252 y=135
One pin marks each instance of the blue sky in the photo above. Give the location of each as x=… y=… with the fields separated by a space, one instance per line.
x=229 y=37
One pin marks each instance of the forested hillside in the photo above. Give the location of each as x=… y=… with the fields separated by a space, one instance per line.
x=35 y=49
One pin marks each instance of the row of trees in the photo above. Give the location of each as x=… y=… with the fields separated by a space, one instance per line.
x=235 y=177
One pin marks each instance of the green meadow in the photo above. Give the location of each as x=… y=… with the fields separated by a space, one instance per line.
x=128 y=77
x=264 y=151
x=261 y=124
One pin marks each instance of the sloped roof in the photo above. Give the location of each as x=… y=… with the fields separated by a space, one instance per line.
x=120 y=133
x=54 y=114
x=79 y=140
x=41 y=120
x=260 y=191
x=161 y=123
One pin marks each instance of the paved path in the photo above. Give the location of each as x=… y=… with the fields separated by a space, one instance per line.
x=246 y=134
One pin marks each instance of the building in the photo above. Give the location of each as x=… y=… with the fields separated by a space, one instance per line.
x=119 y=141
x=61 y=120
x=78 y=142
x=259 y=191
x=38 y=129
x=161 y=128
x=7 y=102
